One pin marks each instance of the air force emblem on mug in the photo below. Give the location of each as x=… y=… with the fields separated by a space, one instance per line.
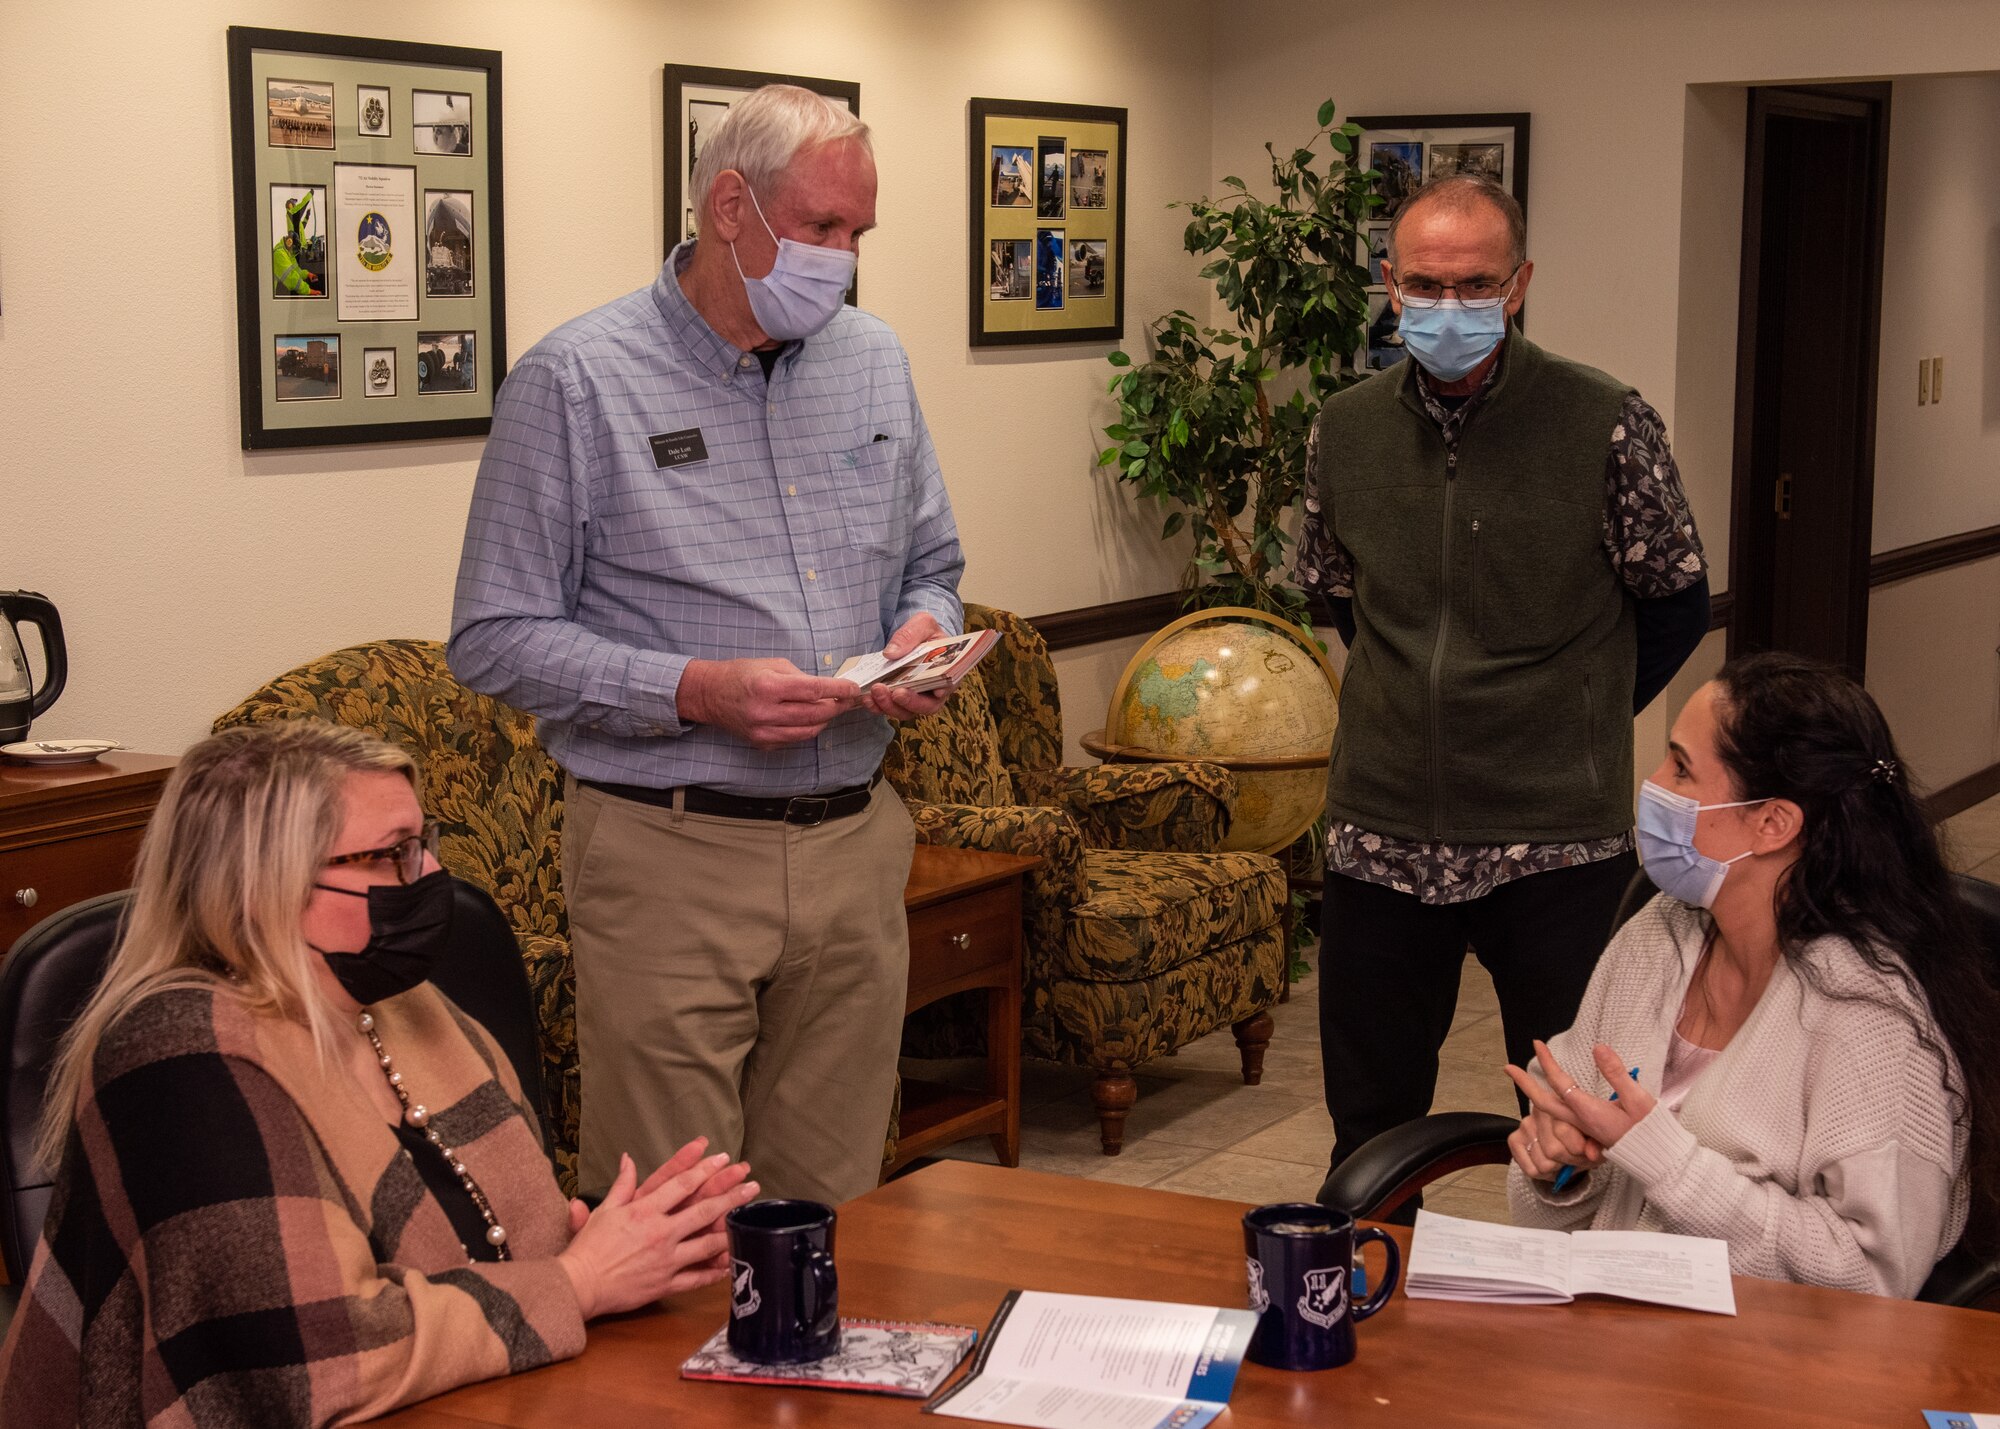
x=1325 y=1300
x=743 y=1297
x=1260 y=1298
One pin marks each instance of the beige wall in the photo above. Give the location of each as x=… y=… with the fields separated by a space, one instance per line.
x=188 y=571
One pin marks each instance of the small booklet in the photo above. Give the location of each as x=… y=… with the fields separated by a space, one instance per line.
x=1088 y=1362
x=1453 y=1259
x=932 y=665
x=1959 y=1419
x=876 y=1356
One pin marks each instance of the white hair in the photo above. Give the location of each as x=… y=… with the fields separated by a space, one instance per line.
x=761 y=135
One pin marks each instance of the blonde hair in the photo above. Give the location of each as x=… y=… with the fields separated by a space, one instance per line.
x=225 y=871
x=762 y=134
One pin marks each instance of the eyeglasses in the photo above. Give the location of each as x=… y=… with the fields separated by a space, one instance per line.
x=407 y=855
x=1474 y=293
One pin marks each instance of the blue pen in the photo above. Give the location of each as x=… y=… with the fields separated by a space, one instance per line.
x=1568 y=1173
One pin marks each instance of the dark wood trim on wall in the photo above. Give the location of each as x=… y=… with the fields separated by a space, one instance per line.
x=1898 y=565
x=1973 y=789
x=1927 y=556
x=1067 y=629
x=1114 y=620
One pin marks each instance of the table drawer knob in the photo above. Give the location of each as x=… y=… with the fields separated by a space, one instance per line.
x=961 y=941
x=27 y=897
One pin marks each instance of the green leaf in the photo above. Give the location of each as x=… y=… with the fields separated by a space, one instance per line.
x=1173 y=525
x=1107 y=456
x=1135 y=448
x=1118 y=432
x=1326 y=114
x=1118 y=358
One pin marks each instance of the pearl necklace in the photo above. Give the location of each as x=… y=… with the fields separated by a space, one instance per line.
x=418 y=1115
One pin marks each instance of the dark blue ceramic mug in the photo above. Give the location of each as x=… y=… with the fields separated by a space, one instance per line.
x=1300 y=1260
x=784 y=1294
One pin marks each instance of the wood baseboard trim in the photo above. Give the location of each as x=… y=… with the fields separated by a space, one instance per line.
x=1114 y=620
x=1956 y=798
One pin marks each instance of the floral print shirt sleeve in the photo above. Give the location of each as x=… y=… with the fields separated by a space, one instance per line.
x=1649 y=532
x=1320 y=564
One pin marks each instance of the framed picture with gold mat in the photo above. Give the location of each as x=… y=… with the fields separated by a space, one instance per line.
x=1047 y=191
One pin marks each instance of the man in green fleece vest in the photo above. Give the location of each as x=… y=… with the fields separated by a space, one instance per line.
x=1509 y=556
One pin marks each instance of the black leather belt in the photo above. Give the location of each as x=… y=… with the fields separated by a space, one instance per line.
x=805 y=809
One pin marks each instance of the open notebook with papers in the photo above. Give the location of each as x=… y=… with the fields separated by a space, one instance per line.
x=1453 y=1259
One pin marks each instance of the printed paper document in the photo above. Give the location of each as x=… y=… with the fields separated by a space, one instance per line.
x=1089 y=1362
x=1453 y=1259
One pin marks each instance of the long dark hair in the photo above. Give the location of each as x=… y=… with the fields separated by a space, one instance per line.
x=1869 y=868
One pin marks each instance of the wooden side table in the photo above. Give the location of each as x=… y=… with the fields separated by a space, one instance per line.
x=964 y=907
x=70 y=831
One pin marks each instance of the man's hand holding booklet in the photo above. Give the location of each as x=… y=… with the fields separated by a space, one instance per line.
x=935 y=664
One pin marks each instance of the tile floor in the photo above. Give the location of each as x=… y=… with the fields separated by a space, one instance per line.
x=1198 y=1129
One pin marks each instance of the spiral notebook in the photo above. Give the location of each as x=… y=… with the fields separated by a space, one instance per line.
x=875 y=1356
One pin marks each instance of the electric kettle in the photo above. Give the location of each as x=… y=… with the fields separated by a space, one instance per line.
x=20 y=701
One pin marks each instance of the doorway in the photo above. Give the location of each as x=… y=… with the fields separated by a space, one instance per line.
x=1815 y=188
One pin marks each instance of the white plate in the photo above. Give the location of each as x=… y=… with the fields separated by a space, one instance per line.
x=59 y=751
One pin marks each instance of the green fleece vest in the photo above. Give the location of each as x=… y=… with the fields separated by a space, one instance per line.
x=1488 y=695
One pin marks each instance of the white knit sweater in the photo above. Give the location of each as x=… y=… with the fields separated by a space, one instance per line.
x=1820 y=1143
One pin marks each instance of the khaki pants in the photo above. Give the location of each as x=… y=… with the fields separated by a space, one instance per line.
x=739 y=979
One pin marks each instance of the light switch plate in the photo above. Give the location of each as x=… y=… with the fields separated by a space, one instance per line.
x=1937 y=380
x=1923 y=381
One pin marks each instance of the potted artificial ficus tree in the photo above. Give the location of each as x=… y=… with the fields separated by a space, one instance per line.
x=1213 y=425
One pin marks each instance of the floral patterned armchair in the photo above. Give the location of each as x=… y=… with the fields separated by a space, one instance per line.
x=497 y=797
x=1139 y=936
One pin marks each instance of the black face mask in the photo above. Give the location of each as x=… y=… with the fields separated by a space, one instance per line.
x=409 y=928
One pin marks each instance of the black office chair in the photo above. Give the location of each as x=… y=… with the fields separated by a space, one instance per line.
x=54 y=966
x=1392 y=1167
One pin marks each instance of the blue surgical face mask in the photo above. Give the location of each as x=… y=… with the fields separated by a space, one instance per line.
x=804 y=288
x=1449 y=340
x=1666 y=846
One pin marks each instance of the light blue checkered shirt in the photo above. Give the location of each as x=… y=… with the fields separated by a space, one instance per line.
x=816 y=526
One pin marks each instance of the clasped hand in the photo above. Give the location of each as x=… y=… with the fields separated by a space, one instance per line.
x=771 y=703
x=1566 y=1125
x=645 y=1242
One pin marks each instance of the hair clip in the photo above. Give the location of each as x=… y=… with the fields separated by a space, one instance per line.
x=1885 y=771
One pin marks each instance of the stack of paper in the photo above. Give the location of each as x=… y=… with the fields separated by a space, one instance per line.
x=1453 y=1259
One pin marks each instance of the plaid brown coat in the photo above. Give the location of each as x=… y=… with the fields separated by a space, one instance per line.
x=238 y=1238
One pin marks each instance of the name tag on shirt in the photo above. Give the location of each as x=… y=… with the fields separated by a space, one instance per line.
x=678 y=448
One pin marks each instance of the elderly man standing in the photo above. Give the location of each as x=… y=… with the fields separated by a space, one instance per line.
x=1511 y=561
x=696 y=502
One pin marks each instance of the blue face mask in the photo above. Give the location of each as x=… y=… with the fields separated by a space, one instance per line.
x=804 y=288
x=1451 y=339
x=1666 y=846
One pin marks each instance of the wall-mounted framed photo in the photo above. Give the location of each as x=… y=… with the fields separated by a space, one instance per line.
x=368 y=238
x=697 y=98
x=1407 y=151
x=1047 y=223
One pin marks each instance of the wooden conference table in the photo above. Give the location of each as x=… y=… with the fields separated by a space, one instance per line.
x=946 y=1241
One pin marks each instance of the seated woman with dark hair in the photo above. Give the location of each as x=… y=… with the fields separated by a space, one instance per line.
x=1805 y=1005
x=296 y=1185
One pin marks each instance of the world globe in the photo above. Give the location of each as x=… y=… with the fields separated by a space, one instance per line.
x=1247 y=691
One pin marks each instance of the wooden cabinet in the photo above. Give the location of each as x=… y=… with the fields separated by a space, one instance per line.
x=964 y=907
x=70 y=831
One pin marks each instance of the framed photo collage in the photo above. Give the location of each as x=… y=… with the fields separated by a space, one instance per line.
x=1047 y=223
x=368 y=238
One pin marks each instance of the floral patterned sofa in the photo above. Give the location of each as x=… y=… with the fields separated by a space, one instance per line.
x=1140 y=937
x=497 y=797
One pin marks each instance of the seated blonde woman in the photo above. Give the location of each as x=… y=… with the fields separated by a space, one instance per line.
x=1805 y=1004
x=296 y=1184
